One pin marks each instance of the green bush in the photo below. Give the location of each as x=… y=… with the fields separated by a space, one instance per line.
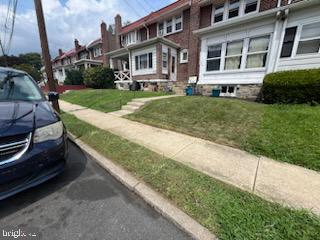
x=300 y=86
x=74 y=77
x=31 y=70
x=99 y=77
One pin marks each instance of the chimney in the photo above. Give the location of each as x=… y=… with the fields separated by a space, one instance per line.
x=105 y=42
x=76 y=44
x=60 y=52
x=118 y=27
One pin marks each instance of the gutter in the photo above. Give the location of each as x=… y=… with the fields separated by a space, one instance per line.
x=256 y=16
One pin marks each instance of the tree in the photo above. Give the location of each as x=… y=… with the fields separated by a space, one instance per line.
x=31 y=70
x=33 y=59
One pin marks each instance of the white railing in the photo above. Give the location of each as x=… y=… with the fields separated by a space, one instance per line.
x=122 y=76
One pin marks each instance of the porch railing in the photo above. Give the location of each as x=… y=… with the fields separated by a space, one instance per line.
x=122 y=76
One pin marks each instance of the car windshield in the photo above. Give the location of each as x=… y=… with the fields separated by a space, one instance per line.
x=18 y=87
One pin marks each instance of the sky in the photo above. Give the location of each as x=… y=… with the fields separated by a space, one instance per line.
x=70 y=19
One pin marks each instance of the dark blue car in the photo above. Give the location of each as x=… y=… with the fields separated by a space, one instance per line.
x=33 y=140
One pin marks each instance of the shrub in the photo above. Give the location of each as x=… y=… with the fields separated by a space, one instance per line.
x=99 y=77
x=300 y=86
x=74 y=77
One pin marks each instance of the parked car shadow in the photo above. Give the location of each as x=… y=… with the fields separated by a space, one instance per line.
x=76 y=165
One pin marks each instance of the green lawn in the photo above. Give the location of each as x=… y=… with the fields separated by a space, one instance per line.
x=289 y=133
x=223 y=209
x=106 y=100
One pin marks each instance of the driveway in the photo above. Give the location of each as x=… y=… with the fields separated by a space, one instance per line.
x=85 y=202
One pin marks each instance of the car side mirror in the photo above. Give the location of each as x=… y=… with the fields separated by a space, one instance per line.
x=53 y=96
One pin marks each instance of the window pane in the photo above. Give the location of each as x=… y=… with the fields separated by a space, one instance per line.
x=251 y=6
x=311 y=46
x=233 y=13
x=137 y=62
x=231 y=89
x=224 y=89
x=214 y=51
x=144 y=61
x=213 y=65
x=169 y=26
x=259 y=44
x=234 y=48
x=233 y=63
x=310 y=31
x=150 y=60
x=234 y=8
x=218 y=18
x=288 y=42
x=178 y=23
x=257 y=60
x=164 y=60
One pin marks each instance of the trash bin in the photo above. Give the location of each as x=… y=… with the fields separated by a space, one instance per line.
x=189 y=91
x=216 y=92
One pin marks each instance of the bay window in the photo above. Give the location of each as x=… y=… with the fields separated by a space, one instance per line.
x=248 y=53
x=214 y=57
x=233 y=55
x=258 y=52
x=309 y=39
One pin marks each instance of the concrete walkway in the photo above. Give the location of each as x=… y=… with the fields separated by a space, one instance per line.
x=280 y=182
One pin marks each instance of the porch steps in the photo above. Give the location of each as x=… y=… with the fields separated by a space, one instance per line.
x=136 y=104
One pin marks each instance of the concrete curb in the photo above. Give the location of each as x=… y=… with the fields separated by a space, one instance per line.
x=154 y=199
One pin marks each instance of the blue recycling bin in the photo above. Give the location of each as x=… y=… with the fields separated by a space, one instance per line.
x=189 y=91
x=216 y=92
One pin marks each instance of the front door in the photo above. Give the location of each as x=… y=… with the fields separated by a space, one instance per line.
x=173 y=67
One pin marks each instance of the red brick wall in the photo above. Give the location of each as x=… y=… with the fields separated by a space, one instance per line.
x=268 y=4
x=205 y=16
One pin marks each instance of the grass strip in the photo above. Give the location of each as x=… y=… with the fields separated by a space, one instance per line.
x=287 y=133
x=223 y=209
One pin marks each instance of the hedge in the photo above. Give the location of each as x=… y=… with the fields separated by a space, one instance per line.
x=299 y=86
x=99 y=77
x=74 y=77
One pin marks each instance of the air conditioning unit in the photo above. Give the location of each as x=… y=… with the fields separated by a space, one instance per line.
x=161 y=32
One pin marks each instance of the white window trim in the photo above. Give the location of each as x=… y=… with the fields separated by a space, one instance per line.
x=245 y=53
x=173 y=19
x=298 y=39
x=148 y=62
x=241 y=11
x=181 y=56
x=126 y=37
x=97 y=52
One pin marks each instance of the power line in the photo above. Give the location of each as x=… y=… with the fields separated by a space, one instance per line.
x=150 y=6
x=142 y=6
x=130 y=6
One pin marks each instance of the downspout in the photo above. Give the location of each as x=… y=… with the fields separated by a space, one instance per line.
x=286 y=14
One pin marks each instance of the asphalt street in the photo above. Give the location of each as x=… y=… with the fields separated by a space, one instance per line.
x=84 y=202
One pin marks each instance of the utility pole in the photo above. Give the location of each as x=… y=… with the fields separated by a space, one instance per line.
x=45 y=50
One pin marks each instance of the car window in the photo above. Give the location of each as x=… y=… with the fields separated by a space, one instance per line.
x=21 y=87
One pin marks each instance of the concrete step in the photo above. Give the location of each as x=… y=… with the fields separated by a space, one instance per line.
x=130 y=108
x=134 y=103
x=121 y=113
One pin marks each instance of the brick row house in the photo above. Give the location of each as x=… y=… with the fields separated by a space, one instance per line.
x=84 y=56
x=230 y=44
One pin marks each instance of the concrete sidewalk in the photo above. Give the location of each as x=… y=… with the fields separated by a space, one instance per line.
x=284 y=183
